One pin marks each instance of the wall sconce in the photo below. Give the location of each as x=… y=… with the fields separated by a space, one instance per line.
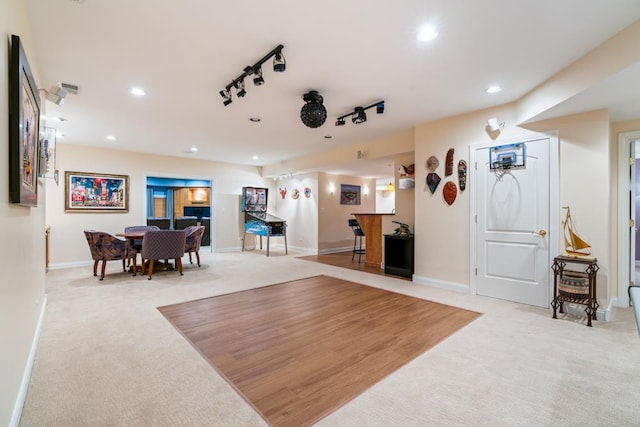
x=279 y=65
x=494 y=125
x=332 y=189
x=365 y=190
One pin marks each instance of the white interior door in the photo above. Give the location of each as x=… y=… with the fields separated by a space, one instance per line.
x=512 y=227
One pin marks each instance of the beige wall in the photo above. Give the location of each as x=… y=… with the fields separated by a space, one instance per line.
x=586 y=186
x=334 y=232
x=442 y=240
x=22 y=288
x=442 y=232
x=404 y=199
x=68 y=245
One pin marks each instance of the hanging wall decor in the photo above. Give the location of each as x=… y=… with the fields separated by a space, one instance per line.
x=449 y=192
x=307 y=192
x=462 y=174
x=295 y=194
x=282 y=191
x=448 y=166
x=432 y=164
x=349 y=194
x=433 y=179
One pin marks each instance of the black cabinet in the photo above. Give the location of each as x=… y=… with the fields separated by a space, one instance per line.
x=398 y=255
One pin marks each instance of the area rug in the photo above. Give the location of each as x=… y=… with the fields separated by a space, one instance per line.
x=299 y=350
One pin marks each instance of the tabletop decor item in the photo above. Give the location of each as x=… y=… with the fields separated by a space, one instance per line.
x=92 y=192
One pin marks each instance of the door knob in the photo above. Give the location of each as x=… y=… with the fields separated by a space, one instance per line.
x=541 y=233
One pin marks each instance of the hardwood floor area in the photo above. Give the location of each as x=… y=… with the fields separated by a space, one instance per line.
x=299 y=350
x=343 y=259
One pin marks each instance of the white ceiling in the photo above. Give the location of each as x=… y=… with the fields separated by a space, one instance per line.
x=353 y=52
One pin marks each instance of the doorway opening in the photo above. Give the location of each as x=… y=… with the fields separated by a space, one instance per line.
x=176 y=203
x=628 y=211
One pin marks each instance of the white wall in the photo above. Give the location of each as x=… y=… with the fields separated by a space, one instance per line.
x=68 y=245
x=22 y=288
x=301 y=214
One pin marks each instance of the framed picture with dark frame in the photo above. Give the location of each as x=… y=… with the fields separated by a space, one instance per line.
x=349 y=194
x=93 y=192
x=24 y=124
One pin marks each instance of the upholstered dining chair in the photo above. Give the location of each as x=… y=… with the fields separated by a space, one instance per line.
x=163 y=245
x=136 y=244
x=193 y=238
x=107 y=247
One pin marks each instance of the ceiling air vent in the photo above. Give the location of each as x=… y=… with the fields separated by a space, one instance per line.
x=74 y=89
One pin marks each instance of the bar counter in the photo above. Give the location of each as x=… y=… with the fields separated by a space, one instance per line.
x=371 y=225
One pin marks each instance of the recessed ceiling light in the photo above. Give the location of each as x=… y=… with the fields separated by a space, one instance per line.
x=194 y=149
x=427 y=33
x=111 y=137
x=255 y=119
x=493 y=89
x=255 y=157
x=137 y=91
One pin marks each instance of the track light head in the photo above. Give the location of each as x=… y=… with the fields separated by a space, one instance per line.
x=279 y=63
x=313 y=114
x=359 y=116
x=56 y=95
x=240 y=92
x=226 y=96
x=340 y=122
x=258 y=80
x=380 y=107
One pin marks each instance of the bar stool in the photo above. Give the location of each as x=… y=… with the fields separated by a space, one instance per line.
x=358 y=235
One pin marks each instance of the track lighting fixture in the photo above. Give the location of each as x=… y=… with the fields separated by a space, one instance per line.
x=313 y=114
x=279 y=65
x=358 y=114
x=258 y=80
x=240 y=92
x=226 y=96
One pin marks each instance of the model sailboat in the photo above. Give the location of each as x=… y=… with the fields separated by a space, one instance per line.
x=574 y=245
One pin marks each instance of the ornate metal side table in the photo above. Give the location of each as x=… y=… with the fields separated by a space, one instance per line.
x=575 y=284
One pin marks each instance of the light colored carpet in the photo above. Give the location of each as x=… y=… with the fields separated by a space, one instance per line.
x=107 y=357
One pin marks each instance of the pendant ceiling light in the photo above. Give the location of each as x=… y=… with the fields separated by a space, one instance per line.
x=313 y=114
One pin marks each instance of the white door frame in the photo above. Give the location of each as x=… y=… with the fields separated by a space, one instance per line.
x=624 y=207
x=554 y=200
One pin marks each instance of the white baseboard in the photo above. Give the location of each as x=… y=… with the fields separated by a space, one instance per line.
x=26 y=376
x=451 y=286
x=336 y=250
x=61 y=265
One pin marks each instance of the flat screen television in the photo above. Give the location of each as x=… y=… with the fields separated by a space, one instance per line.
x=198 y=211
